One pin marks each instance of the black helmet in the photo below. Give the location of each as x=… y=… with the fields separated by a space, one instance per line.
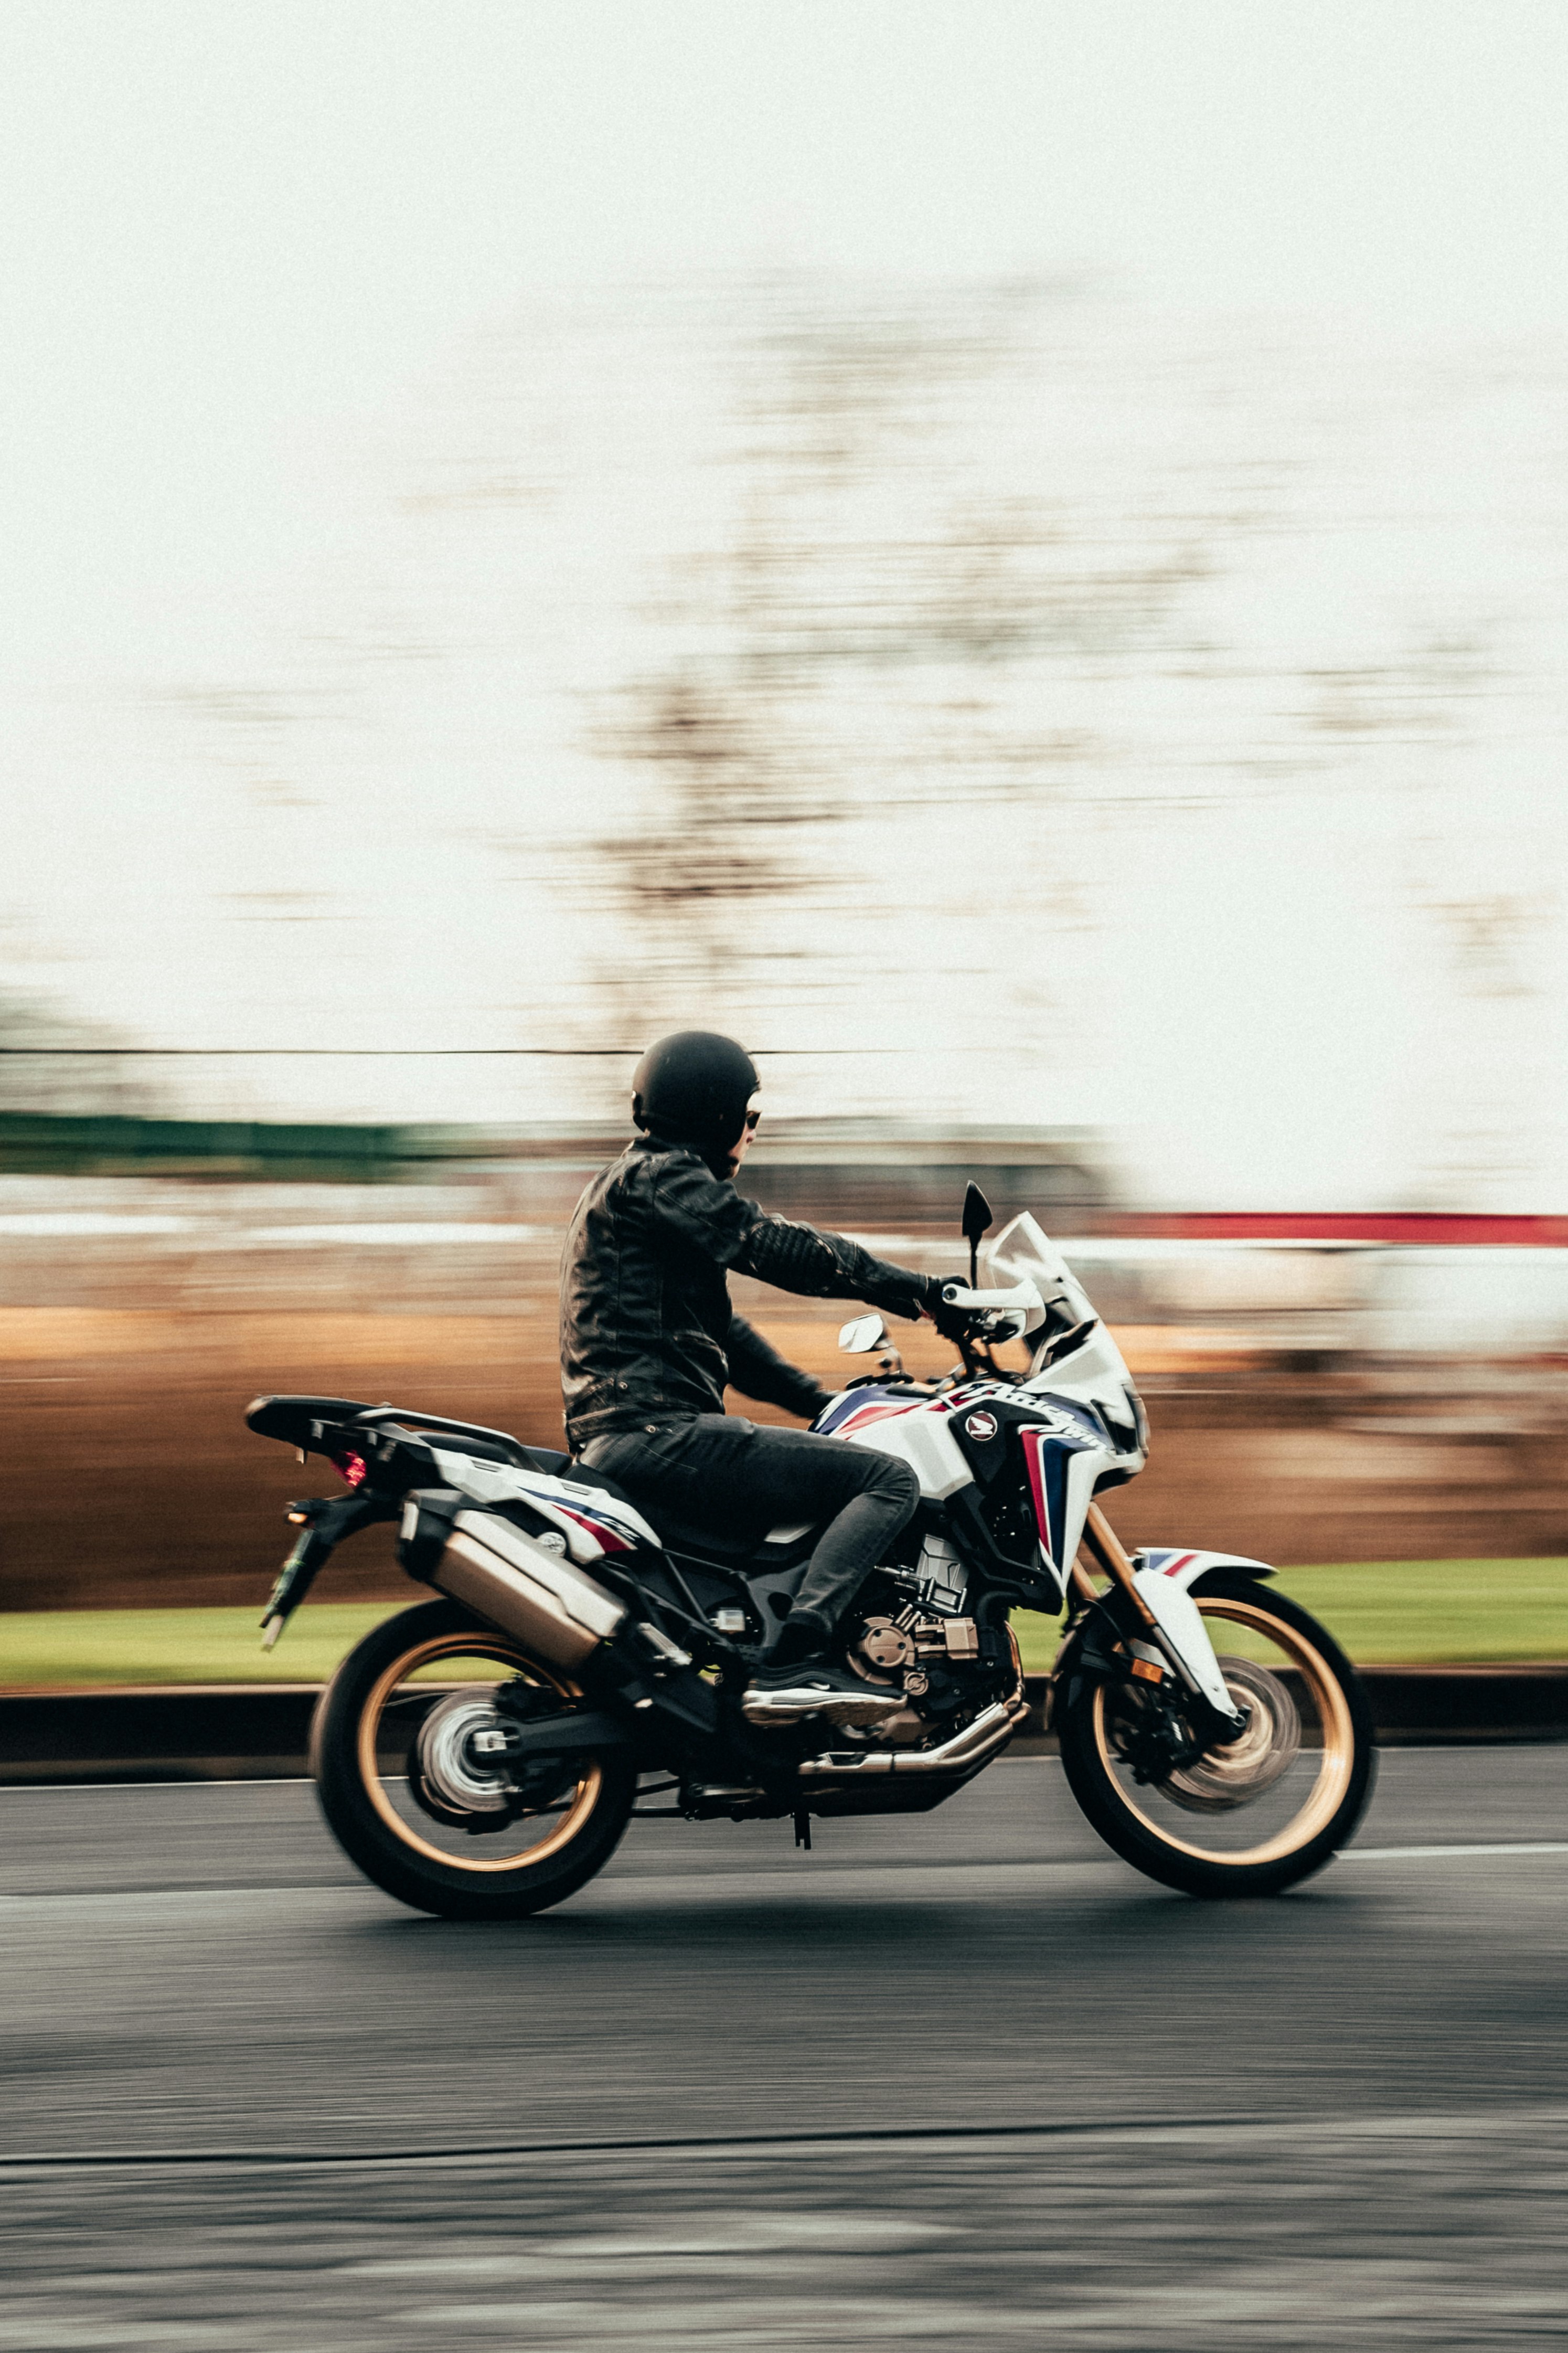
x=694 y=1088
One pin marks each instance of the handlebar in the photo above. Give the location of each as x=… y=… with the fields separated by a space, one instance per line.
x=1022 y=1296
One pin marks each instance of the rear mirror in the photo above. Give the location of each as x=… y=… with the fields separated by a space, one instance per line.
x=861 y=1335
x=976 y=1214
x=976 y=1222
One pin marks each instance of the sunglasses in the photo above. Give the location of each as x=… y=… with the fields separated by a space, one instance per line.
x=751 y=1119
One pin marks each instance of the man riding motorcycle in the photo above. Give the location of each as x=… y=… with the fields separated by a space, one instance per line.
x=650 y=1342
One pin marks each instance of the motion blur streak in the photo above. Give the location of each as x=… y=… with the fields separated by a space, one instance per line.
x=1012 y=556
x=1295 y=2143
x=1312 y=1398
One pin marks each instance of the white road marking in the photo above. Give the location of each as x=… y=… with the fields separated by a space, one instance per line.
x=1403 y=1853
x=75 y=1788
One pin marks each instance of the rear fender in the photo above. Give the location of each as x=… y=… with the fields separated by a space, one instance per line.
x=326 y=1523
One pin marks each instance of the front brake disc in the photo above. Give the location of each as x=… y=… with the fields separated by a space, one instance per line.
x=1241 y=1770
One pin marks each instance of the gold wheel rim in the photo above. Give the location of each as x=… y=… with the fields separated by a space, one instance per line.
x=1338 y=1750
x=467 y=1646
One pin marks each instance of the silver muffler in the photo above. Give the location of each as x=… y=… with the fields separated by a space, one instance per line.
x=541 y=1599
x=991 y=1728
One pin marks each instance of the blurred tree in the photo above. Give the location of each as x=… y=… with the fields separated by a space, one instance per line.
x=757 y=732
x=901 y=615
x=58 y=1063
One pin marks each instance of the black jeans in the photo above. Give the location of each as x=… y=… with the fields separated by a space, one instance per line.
x=717 y=1471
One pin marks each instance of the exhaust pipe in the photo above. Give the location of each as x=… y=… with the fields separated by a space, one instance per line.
x=991 y=1728
x=541 y=1599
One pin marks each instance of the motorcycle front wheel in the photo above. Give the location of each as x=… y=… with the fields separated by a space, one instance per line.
x=1250 y=1819
x=411 y=1795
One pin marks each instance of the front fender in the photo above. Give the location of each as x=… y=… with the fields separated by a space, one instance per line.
x=1165 y=1579
x=1183 y=1569
x=1179 y=1618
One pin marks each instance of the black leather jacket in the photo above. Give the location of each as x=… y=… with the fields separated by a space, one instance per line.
x=647 y=1332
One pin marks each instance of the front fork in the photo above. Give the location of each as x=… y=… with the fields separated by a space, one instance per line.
x=1169 y=1622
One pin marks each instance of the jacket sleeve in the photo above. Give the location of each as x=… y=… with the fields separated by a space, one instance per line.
x=689 y=1201
x=757 y=1370
x=827 y=1266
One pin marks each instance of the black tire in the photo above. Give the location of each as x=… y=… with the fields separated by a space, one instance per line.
x=395 y=1854
x=1125 y=1818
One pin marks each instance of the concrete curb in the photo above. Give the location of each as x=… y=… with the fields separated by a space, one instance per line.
x=1418 y=1707
x=256 y=1732
x=157 y=1732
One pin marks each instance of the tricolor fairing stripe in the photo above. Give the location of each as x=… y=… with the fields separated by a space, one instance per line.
x=1048 y=1455
x=605 y=1534
x=1033 y=1442
x=854 y=1411
x=610 y=1534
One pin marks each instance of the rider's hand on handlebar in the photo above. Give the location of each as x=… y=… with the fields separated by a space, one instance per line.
x=952 y=1323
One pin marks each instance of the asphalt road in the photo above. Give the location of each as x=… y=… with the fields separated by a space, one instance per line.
x=967 y=2080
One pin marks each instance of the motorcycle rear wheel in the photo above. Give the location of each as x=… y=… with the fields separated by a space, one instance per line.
x=514 y=1864
x=1212 y=1848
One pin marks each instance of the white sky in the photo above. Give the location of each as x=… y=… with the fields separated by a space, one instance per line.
x=254 y=256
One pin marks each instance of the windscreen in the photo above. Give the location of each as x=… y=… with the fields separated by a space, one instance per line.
x=1022 y=1253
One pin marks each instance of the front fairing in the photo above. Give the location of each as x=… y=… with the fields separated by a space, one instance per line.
x=1096 y=1376
x=1075 y=1418
x=1024 y=1252
x=1074 y=1356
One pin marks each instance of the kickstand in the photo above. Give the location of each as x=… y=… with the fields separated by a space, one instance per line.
x=803 y=1828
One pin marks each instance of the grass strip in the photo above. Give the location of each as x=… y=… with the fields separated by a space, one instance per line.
x=43 y=1647
x=1409 y=1611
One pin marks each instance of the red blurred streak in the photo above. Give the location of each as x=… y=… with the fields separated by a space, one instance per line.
x=1405 y=1226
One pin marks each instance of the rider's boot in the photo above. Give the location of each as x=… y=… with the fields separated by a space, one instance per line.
x=798 y=1680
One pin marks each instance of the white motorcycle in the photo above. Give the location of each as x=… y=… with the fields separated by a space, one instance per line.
x=479 y=1755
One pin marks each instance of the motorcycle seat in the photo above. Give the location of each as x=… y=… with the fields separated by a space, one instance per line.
x=748 y=1556
x=700 y=1537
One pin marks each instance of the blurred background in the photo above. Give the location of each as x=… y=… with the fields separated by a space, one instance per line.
x=1012 y=557
x=1010 y=553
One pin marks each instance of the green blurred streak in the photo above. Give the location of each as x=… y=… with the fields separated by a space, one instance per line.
x=1413 y=1611
x=178 y=1646
x=1407 y=1612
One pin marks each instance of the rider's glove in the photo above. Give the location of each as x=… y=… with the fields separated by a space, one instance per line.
x=952 y=1323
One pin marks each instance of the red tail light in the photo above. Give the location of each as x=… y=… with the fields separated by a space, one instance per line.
x=352 y=1468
